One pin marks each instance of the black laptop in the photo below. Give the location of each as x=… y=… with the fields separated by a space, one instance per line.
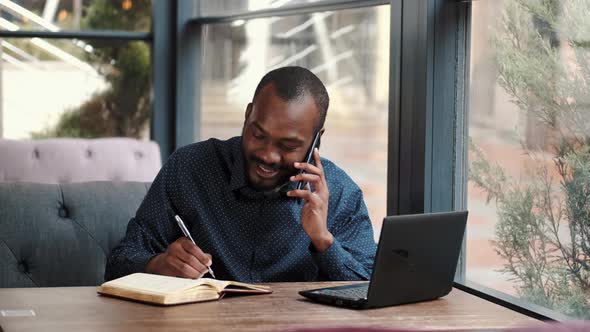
x=415 y=261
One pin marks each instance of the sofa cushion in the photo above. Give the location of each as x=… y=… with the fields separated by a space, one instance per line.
x=64 y=160
x=60 y=235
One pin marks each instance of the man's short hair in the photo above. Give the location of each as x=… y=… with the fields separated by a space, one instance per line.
x=294 y=82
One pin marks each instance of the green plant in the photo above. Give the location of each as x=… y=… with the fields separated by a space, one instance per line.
x=543 y=229
x=123 y=109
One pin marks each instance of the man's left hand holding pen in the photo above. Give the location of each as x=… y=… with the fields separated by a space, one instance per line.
x=183 y=258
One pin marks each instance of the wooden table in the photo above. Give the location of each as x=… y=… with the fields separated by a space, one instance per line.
x=81 y=309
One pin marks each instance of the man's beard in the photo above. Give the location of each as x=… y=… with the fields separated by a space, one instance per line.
x=251 y=162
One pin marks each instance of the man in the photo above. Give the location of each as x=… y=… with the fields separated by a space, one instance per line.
x=238 y=199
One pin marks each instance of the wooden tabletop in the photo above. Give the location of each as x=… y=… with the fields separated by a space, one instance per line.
x=81 y=309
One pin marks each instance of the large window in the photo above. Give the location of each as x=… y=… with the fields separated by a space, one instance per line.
x=64 y=87
x=56 y=15
x=529 y=177
x=347 y=49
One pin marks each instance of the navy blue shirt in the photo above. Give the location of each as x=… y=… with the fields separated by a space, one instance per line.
x=252 y=236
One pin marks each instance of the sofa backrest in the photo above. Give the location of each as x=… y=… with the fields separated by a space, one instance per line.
x=60 y=235
x=64 y=160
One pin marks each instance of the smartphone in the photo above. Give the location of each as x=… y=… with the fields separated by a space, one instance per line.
x=309 y=158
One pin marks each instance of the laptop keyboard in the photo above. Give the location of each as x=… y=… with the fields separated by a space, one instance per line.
x=349 y=292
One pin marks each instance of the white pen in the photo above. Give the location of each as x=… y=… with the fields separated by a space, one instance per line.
x=188 y=234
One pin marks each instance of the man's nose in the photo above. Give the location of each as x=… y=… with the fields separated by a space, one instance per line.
x=269 y=155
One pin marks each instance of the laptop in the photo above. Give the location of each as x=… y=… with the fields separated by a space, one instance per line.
x=416 y=261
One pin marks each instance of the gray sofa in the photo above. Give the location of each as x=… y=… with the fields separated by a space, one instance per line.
x=60 y=234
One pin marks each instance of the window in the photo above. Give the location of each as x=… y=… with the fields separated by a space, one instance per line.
x=55 y=15
x=64 y=87
x=57 y=88
x=528 y=192
x=347 y=49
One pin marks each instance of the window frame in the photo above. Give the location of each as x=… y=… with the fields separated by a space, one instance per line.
x=433 y=130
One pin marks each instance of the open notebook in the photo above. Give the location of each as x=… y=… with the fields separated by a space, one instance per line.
x=165 y=290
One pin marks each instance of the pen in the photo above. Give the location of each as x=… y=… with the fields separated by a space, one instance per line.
x=188 y=234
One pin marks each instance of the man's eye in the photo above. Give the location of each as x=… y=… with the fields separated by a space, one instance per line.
x=289 y=148
x=258 y=136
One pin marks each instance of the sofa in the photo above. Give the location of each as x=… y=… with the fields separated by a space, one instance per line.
x=61 y=234
x=64 y=160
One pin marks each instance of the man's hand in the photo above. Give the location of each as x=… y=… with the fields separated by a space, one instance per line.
x=181 y=259
x=314 y=215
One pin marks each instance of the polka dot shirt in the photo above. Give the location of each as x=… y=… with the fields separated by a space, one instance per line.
x=252 y=236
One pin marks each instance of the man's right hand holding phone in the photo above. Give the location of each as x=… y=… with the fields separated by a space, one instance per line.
x=314 y=214
x=181 y=259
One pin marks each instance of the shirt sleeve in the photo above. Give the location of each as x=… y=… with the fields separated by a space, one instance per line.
x=148 y=233
x=351 y=255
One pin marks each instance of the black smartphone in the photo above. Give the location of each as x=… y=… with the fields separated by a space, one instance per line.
x=309 y=158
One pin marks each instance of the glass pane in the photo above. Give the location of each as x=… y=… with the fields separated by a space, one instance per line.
x=228 y=7
x=348 y=50
x=66 y=88
x=529 y=182
x=55 y=15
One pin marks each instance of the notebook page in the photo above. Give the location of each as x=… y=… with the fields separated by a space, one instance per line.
x=153 y=283
x=218 y=284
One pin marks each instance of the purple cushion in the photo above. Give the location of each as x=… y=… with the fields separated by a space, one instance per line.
x=63 y=160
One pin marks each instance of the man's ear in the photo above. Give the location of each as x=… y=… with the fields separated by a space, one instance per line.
x=320 y=138
x=248 y=111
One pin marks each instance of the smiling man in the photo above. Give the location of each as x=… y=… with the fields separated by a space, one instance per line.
x=239 y=202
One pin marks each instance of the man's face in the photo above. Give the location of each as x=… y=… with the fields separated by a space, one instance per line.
x=276 y=134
